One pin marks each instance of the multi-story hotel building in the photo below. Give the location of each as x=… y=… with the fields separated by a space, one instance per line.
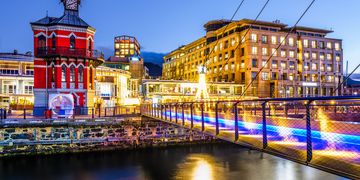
x=308 y=63
x=16 y=80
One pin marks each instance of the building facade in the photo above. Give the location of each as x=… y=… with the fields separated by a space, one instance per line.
x=308 y=63
x=65 y=59
x=16 y=80
x=163 y=91
x=112 y=87
x=127 y=56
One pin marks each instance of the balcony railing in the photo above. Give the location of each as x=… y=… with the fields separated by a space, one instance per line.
x=67 y=51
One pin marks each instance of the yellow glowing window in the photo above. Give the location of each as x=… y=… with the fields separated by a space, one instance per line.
x=329 y=56
x=314 y=66
x=265 y=76
x=338 y=58
x=314 y=55
x=264 y=51
x=337 y=46
x=328 y=45
x=291 y=41
x=283 y=65
x=291 y=77
x=254 y=50
x=306 y=66
x=263 y=64
x=306 y=43
x=330 y=78
x=274 y=52
x=233 y=42
x=313 y=77
x=329 y=68
x=313 y=44
x=292 y=54
x=283 y=53
x=307 y=55
x=282 y=40
x=253 y=37
x=274 y=64
x=322 y=67
x=273 y=40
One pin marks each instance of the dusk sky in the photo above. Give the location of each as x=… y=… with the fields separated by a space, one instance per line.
x=163 y=25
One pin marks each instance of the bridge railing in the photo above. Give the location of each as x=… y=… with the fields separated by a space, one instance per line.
x=44 y=114
x=323 y=132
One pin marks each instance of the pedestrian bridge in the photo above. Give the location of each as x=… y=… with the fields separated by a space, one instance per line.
x=322 y=132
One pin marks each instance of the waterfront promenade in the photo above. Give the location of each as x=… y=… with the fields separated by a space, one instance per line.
x=116 y=133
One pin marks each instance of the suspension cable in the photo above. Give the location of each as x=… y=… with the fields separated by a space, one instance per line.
x=272 y=54
x=242 y=39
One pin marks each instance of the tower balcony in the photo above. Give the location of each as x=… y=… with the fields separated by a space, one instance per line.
x=46 y=52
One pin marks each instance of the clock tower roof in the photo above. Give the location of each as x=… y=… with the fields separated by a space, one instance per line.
x=70 y=18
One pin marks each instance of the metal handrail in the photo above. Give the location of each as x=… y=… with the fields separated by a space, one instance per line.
x=324 y=98
x=308 y=125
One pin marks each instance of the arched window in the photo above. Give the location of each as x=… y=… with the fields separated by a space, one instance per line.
x=42 y=41
x=81 y=74
x=63 y=73
x=72 y=73
x=72 y=42
x=90 y=45
x=53 y=41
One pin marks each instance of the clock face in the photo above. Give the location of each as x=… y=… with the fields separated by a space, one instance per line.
x=72 y=4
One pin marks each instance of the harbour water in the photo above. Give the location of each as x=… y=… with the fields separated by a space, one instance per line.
x=195 y=162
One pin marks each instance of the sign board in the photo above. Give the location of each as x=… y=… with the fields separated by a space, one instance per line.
x=62 y=105
x=310 y=84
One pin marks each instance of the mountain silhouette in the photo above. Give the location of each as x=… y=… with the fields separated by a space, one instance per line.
x=152 y=60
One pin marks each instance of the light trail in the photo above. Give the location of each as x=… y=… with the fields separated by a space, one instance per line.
x=347 y=141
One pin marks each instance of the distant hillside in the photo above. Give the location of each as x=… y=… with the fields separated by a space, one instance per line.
x=355 y=76
x=153 y=61
x=154 y=69
x=156 y=58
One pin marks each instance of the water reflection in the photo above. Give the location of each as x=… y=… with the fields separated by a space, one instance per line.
x=202 y=171
x=200 y=166
x=209 y=162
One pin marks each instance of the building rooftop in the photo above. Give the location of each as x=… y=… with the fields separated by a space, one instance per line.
x=310 y=29
x=70 y=18
x=276 y=23
x=14 y=56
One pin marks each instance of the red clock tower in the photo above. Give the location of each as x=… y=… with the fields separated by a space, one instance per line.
x=65 y=59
